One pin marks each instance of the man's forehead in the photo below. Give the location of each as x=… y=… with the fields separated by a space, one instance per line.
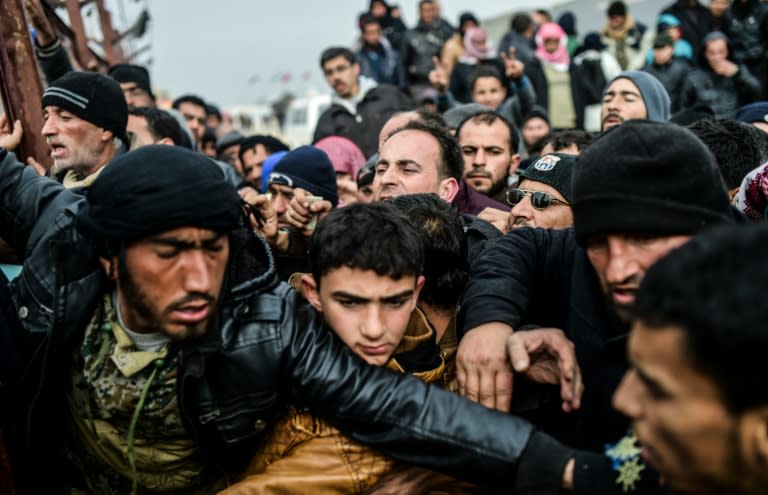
x=280 y=188
x=190 y=106
x=410 y=144
x=495 y=132
x=335 y=61
x=623 y=85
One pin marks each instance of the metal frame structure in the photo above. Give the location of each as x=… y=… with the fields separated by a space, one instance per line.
x=21 y=85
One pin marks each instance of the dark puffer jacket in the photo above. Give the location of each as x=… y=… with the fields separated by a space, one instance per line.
x=362 y=128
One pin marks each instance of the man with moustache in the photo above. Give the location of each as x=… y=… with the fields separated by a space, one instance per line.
x=488 y=145
x=543 y=196
x=634 y=95
x=85 y=117
x=638 y=191
x=695 y=390
x=159 y=346
x=360 y=106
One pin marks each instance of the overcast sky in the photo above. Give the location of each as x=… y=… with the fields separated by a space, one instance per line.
x=232 y=51
x=219 y=49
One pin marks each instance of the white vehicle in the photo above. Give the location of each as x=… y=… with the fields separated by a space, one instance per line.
x=301 y=118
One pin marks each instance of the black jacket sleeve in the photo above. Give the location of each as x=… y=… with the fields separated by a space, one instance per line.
x=522 y=266
x=54 y=60
x=419 y=423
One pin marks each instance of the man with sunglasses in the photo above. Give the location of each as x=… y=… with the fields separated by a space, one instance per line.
x=639 y=190
x=543 y=195
x=360 y=106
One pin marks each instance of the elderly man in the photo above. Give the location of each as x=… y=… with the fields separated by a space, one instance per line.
x=634 y=95
x=85 y=117
x=159 y=346
x=543 y=196
x=638 y=191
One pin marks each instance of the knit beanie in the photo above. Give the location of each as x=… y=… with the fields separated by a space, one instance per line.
x=458 y=114
x=655 y=96
x=648 y=178
x=268 y=166
x=309 y=168
x=754 y=112
x=616 y=8
x=92 y=97
x=554 y=169
x=345 y=155
x=140 y=193
x=127 y=73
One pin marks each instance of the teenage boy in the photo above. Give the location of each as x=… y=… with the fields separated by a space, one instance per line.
x=367 y=264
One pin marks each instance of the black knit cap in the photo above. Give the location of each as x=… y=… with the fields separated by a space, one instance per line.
x=92 y=97
x=155 y=189
x=617 y=8
x=309 y=168
x=129 y=73
x=554 y=169
x=650 y=178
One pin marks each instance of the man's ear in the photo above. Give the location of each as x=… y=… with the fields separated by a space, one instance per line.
x=449 y=188
x=109 y=266
x=310 y=291
x=754 y=440
x=166 y=141
x=514 y=163
x=106 y=136
x=416 y=293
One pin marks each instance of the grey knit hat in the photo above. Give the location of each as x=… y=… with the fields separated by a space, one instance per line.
x=655 y=96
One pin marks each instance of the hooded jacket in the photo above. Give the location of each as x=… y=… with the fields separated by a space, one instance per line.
x=266 y=347
x=361 y=121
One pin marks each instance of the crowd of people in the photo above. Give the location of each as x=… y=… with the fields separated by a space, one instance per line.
x=529 y=270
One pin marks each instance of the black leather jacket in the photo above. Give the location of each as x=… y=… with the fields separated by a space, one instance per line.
x=267 y=346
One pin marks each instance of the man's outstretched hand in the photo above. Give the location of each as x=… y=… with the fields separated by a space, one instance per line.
x=545 y=355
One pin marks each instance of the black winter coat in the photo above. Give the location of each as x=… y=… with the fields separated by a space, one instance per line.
x=266 y=347
x=363 y=128
x=537 y=277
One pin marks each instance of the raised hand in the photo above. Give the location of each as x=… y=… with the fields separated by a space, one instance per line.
x=438 y=77
x=513 y=68
x=10 y=135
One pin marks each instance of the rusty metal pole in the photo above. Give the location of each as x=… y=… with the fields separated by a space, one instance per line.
x=21 y=87
x=112 y=51
x=82 y=52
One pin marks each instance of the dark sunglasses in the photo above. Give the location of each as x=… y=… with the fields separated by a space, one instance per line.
x=539 y=200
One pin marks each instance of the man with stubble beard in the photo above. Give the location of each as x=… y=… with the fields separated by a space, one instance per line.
x=638 y=191
x=85 y=116
x=488 y=145
x=634 y=95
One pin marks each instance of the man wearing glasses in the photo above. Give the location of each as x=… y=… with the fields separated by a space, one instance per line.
x=543 y=195
x=360 y=106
